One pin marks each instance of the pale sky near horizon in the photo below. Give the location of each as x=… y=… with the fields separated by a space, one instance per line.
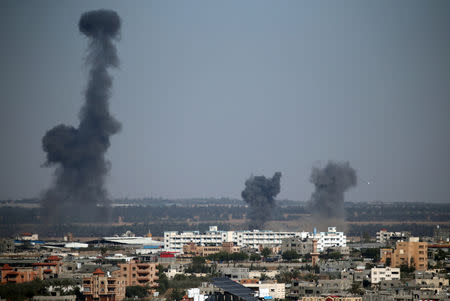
x=211 y=92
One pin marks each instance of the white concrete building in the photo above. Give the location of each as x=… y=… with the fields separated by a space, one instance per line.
x=387 y=273
x=274 y=290
x=329 y=239
x=174 y=240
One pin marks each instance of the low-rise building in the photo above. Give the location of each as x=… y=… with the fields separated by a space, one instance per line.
x=265 y=289
x=300 y=245
x=198 y=250
x=234 y=273
x=387 y=273
x=16 y=275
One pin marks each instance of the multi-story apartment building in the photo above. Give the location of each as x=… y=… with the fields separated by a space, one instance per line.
x=138 y=273
x=174 y=241
x=380 y=274
x=100 y=287
x=412 y=253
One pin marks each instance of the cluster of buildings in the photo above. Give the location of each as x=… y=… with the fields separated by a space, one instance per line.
x=400 y=268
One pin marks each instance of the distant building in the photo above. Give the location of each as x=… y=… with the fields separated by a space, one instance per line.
x=100 y=287
x=412 y=253
x=385 y=237
x=196 y=250
x=174 y=240
x=27 y=236
x=441 y=234
x=6 y=245
x=381 y=274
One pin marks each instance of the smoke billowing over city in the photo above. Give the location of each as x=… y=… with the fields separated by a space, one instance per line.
x=79 y=153
x=331 y=182
x=259 y=194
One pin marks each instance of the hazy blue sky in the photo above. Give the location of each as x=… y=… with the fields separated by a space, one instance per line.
x=210 y=92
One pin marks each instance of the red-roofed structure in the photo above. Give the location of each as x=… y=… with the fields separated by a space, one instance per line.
x=53 y=258
x=98 y=271
x=6 y=267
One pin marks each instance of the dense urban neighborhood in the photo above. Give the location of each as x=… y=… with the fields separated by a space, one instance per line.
x=228 y=265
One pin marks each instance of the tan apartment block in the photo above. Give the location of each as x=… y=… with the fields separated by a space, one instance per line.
x=100 y=287
x=412 y=253
x=138 y=273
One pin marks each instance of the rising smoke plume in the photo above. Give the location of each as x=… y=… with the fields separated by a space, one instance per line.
x=259 y=193
x=331 y=182
x=79 y=153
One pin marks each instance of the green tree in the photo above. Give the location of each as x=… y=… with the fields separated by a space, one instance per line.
x=176 y=295
x=266 y=252
x=255 y=257
x=136 y=291
x=356 y=289
x=290 y=255
x=163 y=281
x=372 y=253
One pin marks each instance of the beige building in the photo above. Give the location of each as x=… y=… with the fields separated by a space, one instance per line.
x=100 y=287
x=203 y=251
x=138 y=273
x=412 y=253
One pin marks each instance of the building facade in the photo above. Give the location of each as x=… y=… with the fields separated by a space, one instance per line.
x=381 y=274
x=100 y=287
x=412 y=253
x=138 y=273
x=297 y=244
x=384 y=236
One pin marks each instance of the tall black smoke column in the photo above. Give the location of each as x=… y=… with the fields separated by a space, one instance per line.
x=259 y=193
x=331 y=182
x=79 y=153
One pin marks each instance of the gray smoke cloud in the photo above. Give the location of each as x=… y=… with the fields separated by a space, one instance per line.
x=79 y=153
x=331 y=182
x=259 y=193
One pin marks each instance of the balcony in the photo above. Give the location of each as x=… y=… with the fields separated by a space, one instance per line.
x=143 y=279
x=143 y=266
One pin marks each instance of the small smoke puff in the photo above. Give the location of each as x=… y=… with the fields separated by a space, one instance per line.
x=100 y=22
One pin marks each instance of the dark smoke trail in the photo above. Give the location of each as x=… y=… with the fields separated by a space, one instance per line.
x=79 y=153
x=259 y=193
x=331 y=182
